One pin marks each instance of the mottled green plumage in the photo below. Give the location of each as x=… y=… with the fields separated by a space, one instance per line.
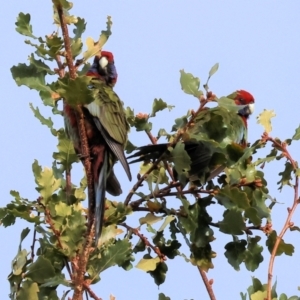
x=109 y=109
x=215 y=139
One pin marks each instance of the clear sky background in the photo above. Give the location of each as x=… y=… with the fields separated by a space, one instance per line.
x=257 y=44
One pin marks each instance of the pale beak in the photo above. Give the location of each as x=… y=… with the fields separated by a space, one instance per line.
x=103 y=62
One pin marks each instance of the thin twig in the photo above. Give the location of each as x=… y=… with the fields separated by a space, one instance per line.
x=145 y=241
x=33 y=241
x=288 y=223
x=90 y=292
x=207 y=283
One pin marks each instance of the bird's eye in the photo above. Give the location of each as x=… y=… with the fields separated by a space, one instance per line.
x=242 y=100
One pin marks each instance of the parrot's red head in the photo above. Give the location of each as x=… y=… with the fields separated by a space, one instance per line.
x=104 y=68
x=242 y=97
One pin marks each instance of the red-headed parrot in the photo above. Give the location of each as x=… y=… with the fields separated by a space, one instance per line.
x=211 y=137
x=106 y=129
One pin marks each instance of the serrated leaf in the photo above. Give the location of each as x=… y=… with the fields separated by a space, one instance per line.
x=94 y=48
x=40 y=270
x=150 y=219
x=23 y=25
x=296 y=136
x=80 y=27
x=47 y=183
x=76 y=91
x=253 y=255
x=235 y=252
x=162 y=296
x=148 y=264
x=190 y=84
x=233 y=222
x=159 y=105
x=118 y=253
x=286 y=175
x=287 y=249
x=48 y=122
x=66 y=155
x=159 y=274
x=40 y=65
x=30 y=76
x=233 y=197
x=264 y=119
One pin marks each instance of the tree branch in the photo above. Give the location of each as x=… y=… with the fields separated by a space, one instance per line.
x=288 y=223
x=83 y=256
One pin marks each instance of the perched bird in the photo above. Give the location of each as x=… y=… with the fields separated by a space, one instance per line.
x=215 y=139
x=106 y=129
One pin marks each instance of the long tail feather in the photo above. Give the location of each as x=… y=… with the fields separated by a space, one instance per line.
x=148 y=152
x=100 y=188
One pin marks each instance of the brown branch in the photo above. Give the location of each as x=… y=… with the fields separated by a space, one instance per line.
x=145 y=241
x=90 y=292
x=78 y=278
x=165 y=192
x=33 y=241
x=288 y=223
x=207 y=283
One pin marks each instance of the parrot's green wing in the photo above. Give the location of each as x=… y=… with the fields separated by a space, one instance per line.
x=110 y=119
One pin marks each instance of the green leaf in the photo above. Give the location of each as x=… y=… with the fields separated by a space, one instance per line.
x=167 y=221
x=28 y=290
x=23 y=25
x=24 y=234
x=76 y=91
x=48 y=122
x=213 y=70
x=286 y=175
x=148 y=264
x=66 y=155
x=159 y=274
x=47 y=183
x=19 y=262
x=159 y=105
x=40 y=65
x=264 y=119
x=141 y=122
x=162 y=296
x=233 y=222
x=233 y=197
x=117 y=253
x=80 y=27
x=190 y=84
x=129 y=147
x=150 y=219
x=296 y=136
x=30 y=76
x=40 y=270
x=235 y=252
x=287 y=249
x=182 y=161
x=94 y=48
x=253 y=255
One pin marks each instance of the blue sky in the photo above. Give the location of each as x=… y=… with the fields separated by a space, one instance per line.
x=257 y=44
